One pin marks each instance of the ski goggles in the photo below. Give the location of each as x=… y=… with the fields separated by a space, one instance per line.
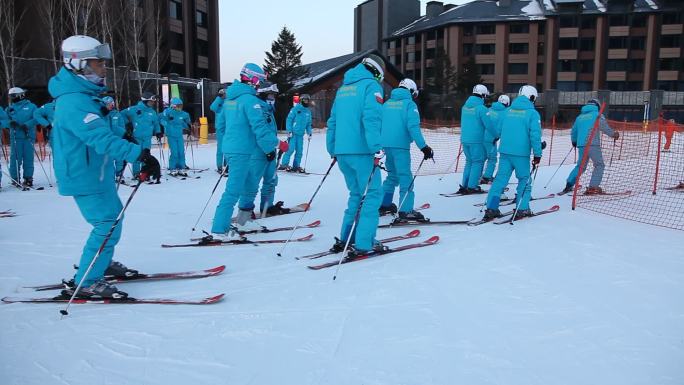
x=102 y=51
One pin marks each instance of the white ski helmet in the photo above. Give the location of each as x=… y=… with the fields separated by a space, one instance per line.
x=505 y=100
x=410 y=85
x=529 y=92
x=481 y=90
x=375 y=64
x=16 y=91
x=77 y=49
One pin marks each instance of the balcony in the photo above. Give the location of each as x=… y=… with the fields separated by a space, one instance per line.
x=410 y=48
x=567 y=54
x=176 y=56
x=519 y=58
x=568 y=32
x=617 y=53
x=202 y=62
x=431 y=44
x=202 y=34
x=666 y=53
x=392 y=51
x=622 y=30
x=672 y=29
x=567 y=76
x=616 y=76
x=485 y=39
x=429 y=63
x=485 y=59
x=668 y=75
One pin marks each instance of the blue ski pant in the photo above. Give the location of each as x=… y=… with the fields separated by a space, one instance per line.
x=398 y=165
x=296 y=146
x=357 y=169
x=257 y=167
x=220 y=157
x=240 y=179
x=145 y=142
x=507 y=164
x=596 y=157
x=475 y=156
x=268 y=186
x=21 y=158
x=100 y=211
x=491 y=152
x=176 y=153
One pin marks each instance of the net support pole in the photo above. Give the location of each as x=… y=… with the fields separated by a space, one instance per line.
x=660 y=139
x=553 y=130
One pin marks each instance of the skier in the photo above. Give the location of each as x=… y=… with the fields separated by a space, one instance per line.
x=22 y=132
x=520 y=135
x=669 y=133
x=267 y=93
x=145 y=122
x=84 y=146
x=579 y=135
x=176 y=123
x=353 y=137
x=220 y=127
x=298 y=123
x=474 y=121
x=497 y=114
x=44 y=116
x=247 y=131
x=117 y=123
x=400 y=127
x=4 y=123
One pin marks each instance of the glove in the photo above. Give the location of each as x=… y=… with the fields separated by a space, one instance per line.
x=283 y=146
x=616 y=135
x=150 y=166
x=574 y=144
x=13 y=124
x=289 y=134
x=128 y=135
x=270 y=156
x=536 y=160
x=221 y=92
x=543 y=145
x=378 y=157
x=427 y=152
x=159 y=135
x=24 y=128
x=170 y=117
x=186 y=131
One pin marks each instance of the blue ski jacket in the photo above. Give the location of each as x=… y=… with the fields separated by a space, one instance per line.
x=246 y=127
x=521 y=132
x=401 y=121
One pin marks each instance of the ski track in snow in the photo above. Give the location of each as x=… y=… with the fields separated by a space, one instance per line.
x=570 y=298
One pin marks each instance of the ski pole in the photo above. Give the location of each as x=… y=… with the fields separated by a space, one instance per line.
x=306 y=157
x=559 y=166
x=450 y=165
x=210 y=196
x=161 y=151
x=401 y=203
x=527 y=185
x=41 y=166
x=192 y=151
x=356 y=217
x=65 y=311
x=308 y=206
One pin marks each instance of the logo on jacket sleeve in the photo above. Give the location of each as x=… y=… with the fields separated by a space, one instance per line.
x=257 y=107
x=90 y=117
x=379 y=98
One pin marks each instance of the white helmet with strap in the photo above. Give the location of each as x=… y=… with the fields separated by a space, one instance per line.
x=410 y=85
x=77 y=49
x=505 y=100
x=529 y=92
x=481 y=90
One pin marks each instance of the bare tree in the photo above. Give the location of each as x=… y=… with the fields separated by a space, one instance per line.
x=9 y=25
x=51 y=15
x=79 y=14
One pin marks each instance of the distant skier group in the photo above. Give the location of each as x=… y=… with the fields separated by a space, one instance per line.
x=92 y=142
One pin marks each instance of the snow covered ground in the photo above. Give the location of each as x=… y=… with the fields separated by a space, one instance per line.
x=566 y=299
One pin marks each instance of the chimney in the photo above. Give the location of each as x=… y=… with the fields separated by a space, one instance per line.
x=504 y=3
x=433 y=9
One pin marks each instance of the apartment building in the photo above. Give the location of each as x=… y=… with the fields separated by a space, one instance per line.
x=569 y=45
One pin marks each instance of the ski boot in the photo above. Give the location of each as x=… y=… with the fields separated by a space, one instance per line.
x=15 y=184
x=338 y=247
x=299 y=170
x=229 y=236
x=174 y=173
x=99 y=289
x=277 y=209
x=182 y=173
x=475 y=190
x=354 y=253
x=462 y=190
x=390 y=209
x=28 y=182
x=485 y=180
x=591 y=190
x=523 y=213
x=119 y=270
x=568 y=188
x=245 y=223
x=283 y=167
x=411 y=216
x=491 y=214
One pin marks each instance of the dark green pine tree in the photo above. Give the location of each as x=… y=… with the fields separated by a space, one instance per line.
x=444 y=77
x=468 y=77
x=283 y=63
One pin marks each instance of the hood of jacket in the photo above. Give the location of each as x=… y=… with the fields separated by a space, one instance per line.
x=401 y=94
x=588 y=108
x=357 y=73
x=496 y=106
x=474 y=101
x=66 y=82
x=522 y=103
x=238 y=89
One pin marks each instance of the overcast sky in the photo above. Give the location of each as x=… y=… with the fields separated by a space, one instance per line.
x=324 y=28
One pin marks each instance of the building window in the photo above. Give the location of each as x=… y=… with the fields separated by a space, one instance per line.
x=540 y=69
x=587 y=44
x=413 y=57
x=616 y=65
x=201 y=19
x=637 y=43
x=430 y=53
x=485 y=49
x=669 y=85
x=176 y=41
x=440 y=33
x=519 y=28
x=624 y=86
x=518 y=48
x=618 y=20
x=671 y=64
x=202 y=47
x=541 y=48
x=468 y=30
x=512 y=87
x=416 y=74
x=410 y=40
x=517 y=68
x=175 y=9
x=567 y=65
x=672 y=18
x=567 y=43
x=586 y=66
x=568 y=21
x=670 y=41
x=636 y=65
x=617 y=42
x=485 y=29
x=588 y=23
x=431 y=35
x=429 y=73
x=541 y=30
x=638 y=20
x=397 y=59
x=486 y=69
x=467 y=49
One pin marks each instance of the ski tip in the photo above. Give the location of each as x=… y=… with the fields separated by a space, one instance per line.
x=313 y=224
x=305 y=238
x=304 y=206
x=432 y=240
x=217 y=269
x=555 y=208
x=213 y=299
x=413 y=233
x=425 y=206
